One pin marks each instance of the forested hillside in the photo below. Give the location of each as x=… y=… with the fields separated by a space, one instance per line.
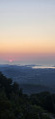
x=16 y=105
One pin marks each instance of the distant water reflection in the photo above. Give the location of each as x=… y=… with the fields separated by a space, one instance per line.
x=43 y=67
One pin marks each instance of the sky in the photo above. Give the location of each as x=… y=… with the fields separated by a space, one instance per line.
x=27 y=31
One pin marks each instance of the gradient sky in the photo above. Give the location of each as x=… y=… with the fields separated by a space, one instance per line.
x=27 y=31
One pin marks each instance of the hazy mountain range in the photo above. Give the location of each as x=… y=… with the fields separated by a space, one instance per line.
x=30 y=79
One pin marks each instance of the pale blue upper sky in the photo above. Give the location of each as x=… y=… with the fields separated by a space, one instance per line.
x=29 y=22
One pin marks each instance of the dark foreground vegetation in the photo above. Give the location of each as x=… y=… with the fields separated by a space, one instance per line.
x=16 y=105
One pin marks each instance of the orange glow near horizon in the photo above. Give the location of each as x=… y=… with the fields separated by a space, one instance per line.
x=33 y=47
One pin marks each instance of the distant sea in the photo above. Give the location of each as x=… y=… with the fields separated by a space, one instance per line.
x=34 y=66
